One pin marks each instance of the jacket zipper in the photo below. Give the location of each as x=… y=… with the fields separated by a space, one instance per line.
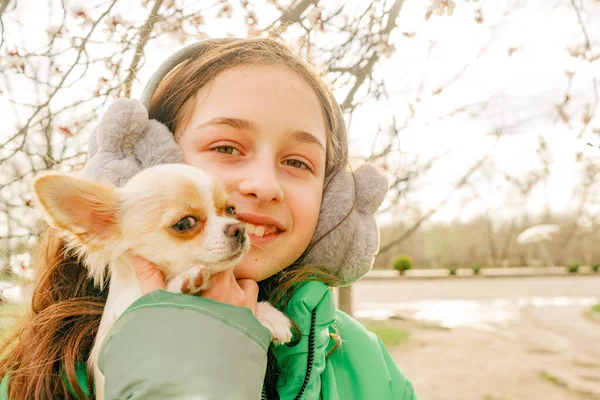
x=309 y=362
x=311 y=354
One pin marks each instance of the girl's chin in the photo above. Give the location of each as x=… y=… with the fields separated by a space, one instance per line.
x=254 y=266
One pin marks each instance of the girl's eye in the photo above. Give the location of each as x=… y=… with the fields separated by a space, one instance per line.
x=185 y=224
x=225 y=149
x=296 y=164
x=230 y=210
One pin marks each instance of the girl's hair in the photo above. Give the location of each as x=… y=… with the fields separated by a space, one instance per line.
x=59 y=330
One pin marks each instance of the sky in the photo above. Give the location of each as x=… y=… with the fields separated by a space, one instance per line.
x=520 y=91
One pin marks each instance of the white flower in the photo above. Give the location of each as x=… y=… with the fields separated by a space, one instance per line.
x=384 y=49
x=53 y=30
x=441 y=7
x=314 y=15
x=12 y=61
x=80 y=12
x=112 y=22
x=178 y=35
x=197 y=20
x=10 y=293
x=20 y=265
x=117 y=19
x=450 y=8
x=226 y=11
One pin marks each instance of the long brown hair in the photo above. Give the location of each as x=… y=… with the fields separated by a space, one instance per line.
x=58 y=331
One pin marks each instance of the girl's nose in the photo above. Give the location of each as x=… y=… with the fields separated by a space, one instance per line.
x=261 y=182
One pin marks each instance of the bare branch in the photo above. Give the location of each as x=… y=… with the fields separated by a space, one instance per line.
x=23 y=131
x=362 y=72
x=588 y=46
x=290 y=16
x=461 y=182
x=3 y=6
x=145 y=31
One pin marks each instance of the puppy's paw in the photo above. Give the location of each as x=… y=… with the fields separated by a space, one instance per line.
x=275 y=321
x=192 y=281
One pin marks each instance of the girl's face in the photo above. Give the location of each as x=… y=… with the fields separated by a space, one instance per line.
x=261 y=131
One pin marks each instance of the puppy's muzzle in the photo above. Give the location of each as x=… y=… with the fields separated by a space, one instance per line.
x=237 y=233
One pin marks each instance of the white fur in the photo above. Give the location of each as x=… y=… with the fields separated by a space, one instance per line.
x=146 y=206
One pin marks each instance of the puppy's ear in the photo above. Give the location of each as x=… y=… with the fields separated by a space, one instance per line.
x=81 y=206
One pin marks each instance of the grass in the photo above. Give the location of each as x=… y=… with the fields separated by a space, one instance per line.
x=8 y=315
x=552 y=379
x=596 y=308
x=390 y=335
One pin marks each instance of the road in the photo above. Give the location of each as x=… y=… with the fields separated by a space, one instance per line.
x=555 y=306
x=547 y=316
x=393 y=291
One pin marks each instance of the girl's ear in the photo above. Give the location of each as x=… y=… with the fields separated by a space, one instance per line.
x=78 y=205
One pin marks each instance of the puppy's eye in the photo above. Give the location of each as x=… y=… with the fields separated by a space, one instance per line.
x=185 y=224
x=230 y=210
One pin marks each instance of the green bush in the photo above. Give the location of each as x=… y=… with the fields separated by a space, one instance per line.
x=574 y=268
x=452 y=271
x=476 y=269
x=402 y=263
x=596 y=267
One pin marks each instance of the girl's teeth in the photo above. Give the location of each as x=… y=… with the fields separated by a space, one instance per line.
x=259 y=231
x=250 y=229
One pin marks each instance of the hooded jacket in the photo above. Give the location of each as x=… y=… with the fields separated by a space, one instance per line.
x=173 y=346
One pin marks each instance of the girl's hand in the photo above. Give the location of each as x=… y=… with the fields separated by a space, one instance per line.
x=224 y=287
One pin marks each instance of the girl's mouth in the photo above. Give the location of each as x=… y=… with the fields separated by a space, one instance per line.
x=262 y=234
x=261 y=230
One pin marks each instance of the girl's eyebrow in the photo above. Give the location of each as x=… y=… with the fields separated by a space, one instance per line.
x=247 y=125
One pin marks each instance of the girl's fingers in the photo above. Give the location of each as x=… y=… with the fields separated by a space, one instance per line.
x=150 y=278
x=225 y=288
x=220 y=289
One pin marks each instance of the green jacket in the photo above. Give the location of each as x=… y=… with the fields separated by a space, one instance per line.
x=185 y=347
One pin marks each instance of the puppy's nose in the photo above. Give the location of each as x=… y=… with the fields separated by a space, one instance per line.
x=237 y=231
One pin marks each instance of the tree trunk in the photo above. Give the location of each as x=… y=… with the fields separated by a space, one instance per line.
x=345 y=299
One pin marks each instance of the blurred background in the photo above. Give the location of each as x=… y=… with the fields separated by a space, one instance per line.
x=484 y=116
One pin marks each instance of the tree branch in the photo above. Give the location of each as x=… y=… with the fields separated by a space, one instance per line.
x=3 y=6
x=362 y=73
x=431 y=212
x=145 y=31
x=588 y=46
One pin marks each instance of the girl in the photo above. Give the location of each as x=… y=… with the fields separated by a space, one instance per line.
x=264 y=123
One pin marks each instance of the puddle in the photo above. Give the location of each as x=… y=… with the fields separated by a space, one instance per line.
x=480 y=314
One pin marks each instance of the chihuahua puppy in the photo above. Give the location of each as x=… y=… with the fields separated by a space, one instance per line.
x=174 y=215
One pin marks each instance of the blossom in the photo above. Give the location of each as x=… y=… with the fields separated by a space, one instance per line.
x=13 y=61
x=225 y=11
x=53 y=30
x=384 y=49
x=314 y=15
x=112 y=22
x=440 y=7
x=20 y=265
